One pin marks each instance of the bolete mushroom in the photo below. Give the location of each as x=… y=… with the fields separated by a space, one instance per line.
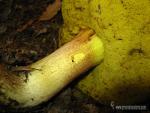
x=48 y=76
x=124 y=28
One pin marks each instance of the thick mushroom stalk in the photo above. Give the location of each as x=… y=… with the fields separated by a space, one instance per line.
x=48 y=76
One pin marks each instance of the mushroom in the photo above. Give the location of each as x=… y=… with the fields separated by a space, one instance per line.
x=46 y=77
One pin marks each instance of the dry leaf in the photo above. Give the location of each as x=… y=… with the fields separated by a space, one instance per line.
x=25 y=26
x=51 y=11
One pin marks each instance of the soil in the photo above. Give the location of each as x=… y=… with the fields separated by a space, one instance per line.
x=31 y=44
x=21 y=47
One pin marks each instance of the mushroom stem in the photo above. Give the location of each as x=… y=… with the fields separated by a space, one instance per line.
x=49 y=75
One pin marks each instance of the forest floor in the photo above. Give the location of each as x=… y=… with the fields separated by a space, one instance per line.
x=24 y=39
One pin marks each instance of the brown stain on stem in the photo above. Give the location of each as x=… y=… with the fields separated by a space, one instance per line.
x=9 y=78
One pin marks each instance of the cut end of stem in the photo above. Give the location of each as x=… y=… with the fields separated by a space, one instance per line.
x=97 y=48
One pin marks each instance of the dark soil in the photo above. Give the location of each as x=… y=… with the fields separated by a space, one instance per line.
x=31 y=44
x=20 y=48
